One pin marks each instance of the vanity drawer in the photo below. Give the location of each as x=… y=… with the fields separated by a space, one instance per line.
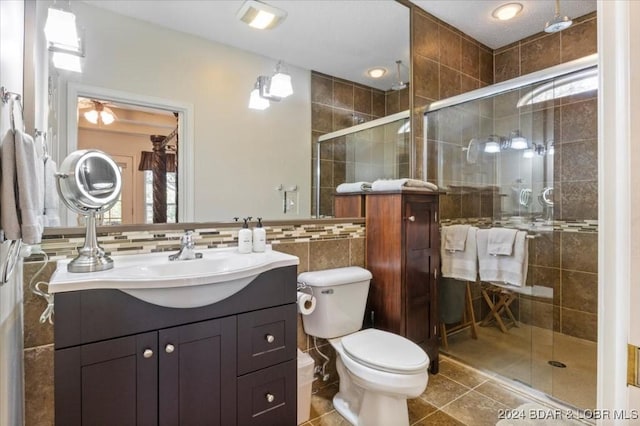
x=268 y=397
x=266 y=337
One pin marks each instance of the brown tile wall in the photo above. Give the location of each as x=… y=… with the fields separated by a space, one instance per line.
x=573 y=309
x=308 y=242
x=446 y=62
x=335 y=105
x=543 y=50
x=565 y=261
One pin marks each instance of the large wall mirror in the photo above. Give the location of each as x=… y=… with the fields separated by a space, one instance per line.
x=187 y=68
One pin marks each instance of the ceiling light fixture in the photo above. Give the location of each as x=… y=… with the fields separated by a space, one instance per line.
x=100 y=113
x=558 y=23
x=507 y=11
x=376 y=72
x=260 y=15
x=62 y=36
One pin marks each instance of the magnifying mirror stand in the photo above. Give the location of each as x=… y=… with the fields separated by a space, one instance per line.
x=91 y=257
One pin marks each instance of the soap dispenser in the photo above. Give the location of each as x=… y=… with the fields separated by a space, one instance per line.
x=244 y=238
x=259 y=237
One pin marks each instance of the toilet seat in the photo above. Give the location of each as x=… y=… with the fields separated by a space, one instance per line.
x=385 y=351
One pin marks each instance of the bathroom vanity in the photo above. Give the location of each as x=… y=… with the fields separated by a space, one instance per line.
x=120 y=360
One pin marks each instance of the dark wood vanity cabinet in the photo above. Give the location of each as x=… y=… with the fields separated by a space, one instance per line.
x=229 y=363
x=403 y=254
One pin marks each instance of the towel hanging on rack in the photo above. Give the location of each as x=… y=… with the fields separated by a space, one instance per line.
x=21 y=188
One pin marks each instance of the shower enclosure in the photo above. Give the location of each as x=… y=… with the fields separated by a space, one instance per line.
x=523 y=154
x=377 y=149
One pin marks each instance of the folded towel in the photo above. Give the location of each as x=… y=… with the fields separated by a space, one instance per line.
x=462 y=265
x=354 y=187
x=398 y=184
x=51 y=205
x=501 y=241
x=506 y=269
x=455 y=237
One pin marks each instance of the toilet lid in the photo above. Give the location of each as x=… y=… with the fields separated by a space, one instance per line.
x=385 y=351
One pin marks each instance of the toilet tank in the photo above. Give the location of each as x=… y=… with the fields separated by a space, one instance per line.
x=341 y=297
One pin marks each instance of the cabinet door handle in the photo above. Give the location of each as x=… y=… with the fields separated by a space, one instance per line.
x=411 y=218
x=169 y=348
x=148 y=353
x=269 y=397
x=269 y=338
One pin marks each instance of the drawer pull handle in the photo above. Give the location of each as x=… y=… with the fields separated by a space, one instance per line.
x=269 y=338
x=269 y=397
x=148 y=353
x=169 y=348
x=411 y=218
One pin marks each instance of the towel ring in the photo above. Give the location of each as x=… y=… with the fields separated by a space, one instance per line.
x=13 y=254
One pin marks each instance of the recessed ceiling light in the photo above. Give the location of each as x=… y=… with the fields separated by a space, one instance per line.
x=260 y=15
x=376 y=72
x=507 y=11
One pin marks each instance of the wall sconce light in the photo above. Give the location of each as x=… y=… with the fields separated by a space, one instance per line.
x=260 y=15
x=255 y=100
x=494 y=144
x=62 y=36
x=518 y=141
x=271 y=88
x=101 y=113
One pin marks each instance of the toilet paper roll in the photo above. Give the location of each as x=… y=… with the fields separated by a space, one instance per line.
x=306 y=303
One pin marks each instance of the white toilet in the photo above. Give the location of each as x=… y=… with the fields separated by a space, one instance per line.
x=378 y=370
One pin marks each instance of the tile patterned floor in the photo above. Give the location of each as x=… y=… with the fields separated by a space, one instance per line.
x=523 y=353
x=458 y=395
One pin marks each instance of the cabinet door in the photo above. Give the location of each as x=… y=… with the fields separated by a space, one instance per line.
x=108 y=383
x=420 y=257
x=197 y=381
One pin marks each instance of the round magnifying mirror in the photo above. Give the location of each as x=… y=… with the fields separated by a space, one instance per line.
x=89 y=183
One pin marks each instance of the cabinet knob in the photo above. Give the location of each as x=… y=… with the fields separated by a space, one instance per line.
x=169 y=348
x=411 y=218
x=269 y=397
x=269 y=338
x=148 y=353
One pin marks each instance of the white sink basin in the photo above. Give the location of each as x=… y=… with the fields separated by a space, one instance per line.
x=153 y=278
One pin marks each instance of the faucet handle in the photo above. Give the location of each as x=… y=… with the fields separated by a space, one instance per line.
x=187 y=238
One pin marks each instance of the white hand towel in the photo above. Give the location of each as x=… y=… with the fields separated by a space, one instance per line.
x=455 y=237
x=8 y=197
x=399 y=184
x=507 y=269
x=462 y=265
x=30 y=174
x=354 y=187
x=501 y=241
x=51 y=200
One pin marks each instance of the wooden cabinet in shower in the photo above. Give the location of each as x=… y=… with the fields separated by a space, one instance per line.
x=403 y=254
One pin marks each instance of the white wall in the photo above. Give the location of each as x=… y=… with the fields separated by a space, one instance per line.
x=241 y=155
x=11 y=366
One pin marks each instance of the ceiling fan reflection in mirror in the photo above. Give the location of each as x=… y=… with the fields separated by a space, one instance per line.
x=97 y=111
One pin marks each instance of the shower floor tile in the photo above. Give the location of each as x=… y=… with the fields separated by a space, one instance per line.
x=522 y=355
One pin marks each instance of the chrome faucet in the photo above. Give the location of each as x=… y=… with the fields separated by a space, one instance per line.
x=187 y=247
